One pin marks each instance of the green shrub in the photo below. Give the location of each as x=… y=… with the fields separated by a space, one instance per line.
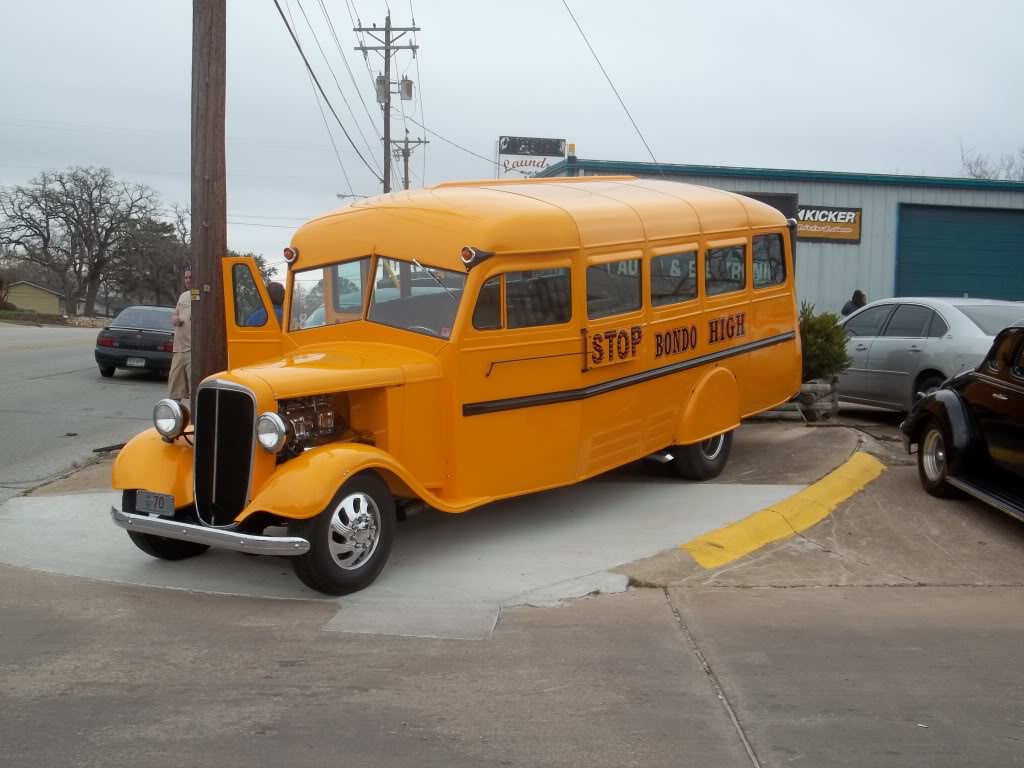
x=824 y=344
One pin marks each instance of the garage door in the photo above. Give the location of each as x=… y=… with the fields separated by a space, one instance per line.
x=957 y=251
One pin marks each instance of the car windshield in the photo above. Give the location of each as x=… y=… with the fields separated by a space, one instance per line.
x=343 y=286
x=415 y=297
x=149 y=318
x=992 y=318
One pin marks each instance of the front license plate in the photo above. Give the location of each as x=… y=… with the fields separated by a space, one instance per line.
x=136 y=362
x=154 y=503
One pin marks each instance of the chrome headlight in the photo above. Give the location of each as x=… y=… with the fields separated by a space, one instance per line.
x=170 y=419
x=272 y=432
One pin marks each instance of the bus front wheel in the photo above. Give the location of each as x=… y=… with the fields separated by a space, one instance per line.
x=704 y=460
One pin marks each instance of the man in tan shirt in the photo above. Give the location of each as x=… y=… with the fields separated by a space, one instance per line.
x=179 y=382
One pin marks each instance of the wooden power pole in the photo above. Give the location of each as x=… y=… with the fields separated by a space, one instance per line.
x=403 y=149
x=209 y=188
x=387 y=49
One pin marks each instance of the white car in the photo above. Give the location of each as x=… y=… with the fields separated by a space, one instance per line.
x=902 y=348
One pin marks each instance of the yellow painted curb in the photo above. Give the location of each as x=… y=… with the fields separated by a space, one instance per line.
x=787 y=518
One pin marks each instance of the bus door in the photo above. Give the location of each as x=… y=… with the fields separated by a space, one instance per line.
x=613 y=334
x=519 y=366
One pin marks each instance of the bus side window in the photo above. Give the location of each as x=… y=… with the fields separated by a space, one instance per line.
x=725 y=269
x=534 y=298
x=613 y=288
x=673 y=278
x=487 y=313
x=538 y=297
x=769 y=261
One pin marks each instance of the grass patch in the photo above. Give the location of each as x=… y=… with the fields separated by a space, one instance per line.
x=26 y=317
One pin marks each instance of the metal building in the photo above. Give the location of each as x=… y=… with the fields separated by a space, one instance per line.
x=884 y=234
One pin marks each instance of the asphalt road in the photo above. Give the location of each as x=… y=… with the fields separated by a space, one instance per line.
x=55 y=408
x=887 y=636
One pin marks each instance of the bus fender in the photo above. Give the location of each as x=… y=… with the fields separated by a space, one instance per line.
x=712 y=408
x=148 y=462
x=301 y=487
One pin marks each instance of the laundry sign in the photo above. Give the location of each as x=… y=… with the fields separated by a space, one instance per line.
x=828 y=224
x=525 y=156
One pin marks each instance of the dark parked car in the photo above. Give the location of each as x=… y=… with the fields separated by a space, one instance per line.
x=140 y=338
x=970 y=432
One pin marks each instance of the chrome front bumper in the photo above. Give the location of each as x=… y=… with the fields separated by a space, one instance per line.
x=282 y=546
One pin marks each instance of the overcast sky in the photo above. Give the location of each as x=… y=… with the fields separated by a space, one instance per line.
x=880 y=85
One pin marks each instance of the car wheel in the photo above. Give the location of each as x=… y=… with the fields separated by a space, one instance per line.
x=166 y=549
x=932 y=461
x=704 y=460
x=927 y=385
x=350 y=541
x=106 y=371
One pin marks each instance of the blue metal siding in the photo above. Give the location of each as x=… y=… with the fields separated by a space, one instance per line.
x=959 y=251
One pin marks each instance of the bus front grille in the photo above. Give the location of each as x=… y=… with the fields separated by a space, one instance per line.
x=223 y=451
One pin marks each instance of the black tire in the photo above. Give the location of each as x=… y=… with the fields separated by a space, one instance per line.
x=932 y=464
x=106 y=371
x=335 y=573
x=166 y=549
x=704 y=460
x=928 y=384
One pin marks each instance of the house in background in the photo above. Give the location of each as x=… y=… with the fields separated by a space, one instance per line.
x=36 y=298
x=98 y=309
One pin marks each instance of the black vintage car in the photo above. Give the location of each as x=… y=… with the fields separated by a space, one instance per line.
x=140 y=338
x=969 y=434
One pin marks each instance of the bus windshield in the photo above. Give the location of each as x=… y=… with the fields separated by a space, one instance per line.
x=415 y=297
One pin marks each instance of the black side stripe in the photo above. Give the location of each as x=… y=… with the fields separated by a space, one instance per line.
x=568 y=395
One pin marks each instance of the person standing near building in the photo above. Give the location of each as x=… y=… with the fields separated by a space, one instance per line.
x=855 y=303
x=179 y=382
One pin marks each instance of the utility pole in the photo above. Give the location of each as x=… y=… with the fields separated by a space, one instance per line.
x=383 y=82
x=209 y=188
x=403 y=150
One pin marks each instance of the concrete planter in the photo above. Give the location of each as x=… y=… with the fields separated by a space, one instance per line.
x=816 y=401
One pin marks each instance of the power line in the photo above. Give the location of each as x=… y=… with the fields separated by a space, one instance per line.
x=344 y=58
x=419 y=90
x=335 y=78
x=55 y=125
x=254 y=224
x=312 y=74
x=333 y=179
x=353 y=16
x=323 y=116
x=614 y=90
x=449 y=141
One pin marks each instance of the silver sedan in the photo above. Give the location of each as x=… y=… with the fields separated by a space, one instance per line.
x=902 y=347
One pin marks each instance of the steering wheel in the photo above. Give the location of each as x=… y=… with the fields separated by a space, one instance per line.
x=431 y=331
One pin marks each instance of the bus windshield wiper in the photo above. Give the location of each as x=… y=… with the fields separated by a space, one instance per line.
x=432 y=275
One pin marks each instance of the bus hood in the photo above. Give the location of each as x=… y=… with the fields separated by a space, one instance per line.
x=342 y=368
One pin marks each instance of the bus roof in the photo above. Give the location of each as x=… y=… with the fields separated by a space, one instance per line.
x=529 y=216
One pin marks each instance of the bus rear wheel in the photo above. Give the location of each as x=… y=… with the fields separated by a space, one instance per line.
x=704 y=460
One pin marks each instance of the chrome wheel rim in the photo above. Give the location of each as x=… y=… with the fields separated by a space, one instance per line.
x=933 y=456
x=354 y=532
x=712 y=447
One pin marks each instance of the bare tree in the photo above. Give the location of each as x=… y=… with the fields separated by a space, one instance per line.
x=1009 y=167
x=72 y=223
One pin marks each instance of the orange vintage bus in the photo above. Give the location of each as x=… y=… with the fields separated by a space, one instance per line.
x=466 y=343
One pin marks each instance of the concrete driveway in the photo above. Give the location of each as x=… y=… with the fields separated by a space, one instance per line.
x=451 y=575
